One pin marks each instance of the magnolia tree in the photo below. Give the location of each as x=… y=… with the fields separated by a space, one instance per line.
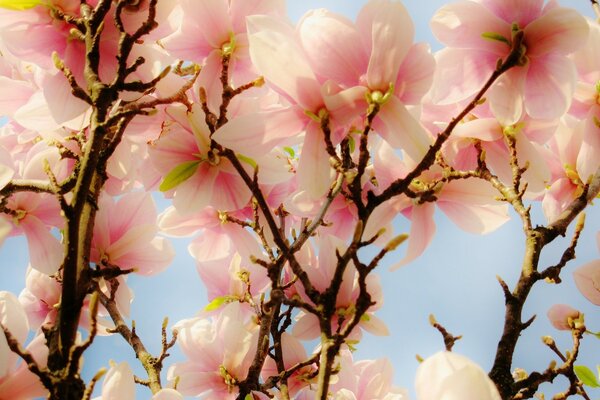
x=285 y=152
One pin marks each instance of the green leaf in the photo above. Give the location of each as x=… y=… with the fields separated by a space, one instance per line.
x=178 y=175
x=20 y=5
x=216 y=303
x=249 y=397
x=586 y=376
x=247 y=160
x=290 y=151
x=495 y=37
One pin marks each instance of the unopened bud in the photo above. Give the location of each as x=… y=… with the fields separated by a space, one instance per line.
x=395 y=242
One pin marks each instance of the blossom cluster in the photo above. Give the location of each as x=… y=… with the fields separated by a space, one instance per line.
x=284 y=150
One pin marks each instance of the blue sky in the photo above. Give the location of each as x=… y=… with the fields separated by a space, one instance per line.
x=455 y=279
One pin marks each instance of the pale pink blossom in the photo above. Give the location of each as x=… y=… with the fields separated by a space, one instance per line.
x=209 y=29
x=218 y=353
x=16 y=381
x=451 y=376
x=213 y=181
x=560 y=316
x=125 y=235
x=374 y=57
x=36 y=215
x=118 y=383
x=479 y=33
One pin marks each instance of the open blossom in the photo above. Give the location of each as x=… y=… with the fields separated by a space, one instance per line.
x=125 y=235
x=218 y=353
x=208 y=30
x=480 y=32
x=16 y=381
x=451 y=376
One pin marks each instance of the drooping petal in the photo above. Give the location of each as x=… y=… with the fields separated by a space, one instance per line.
x=422 y=229
x=401 y=130
x=506 y=97
x=45 y=250
x=314 y=171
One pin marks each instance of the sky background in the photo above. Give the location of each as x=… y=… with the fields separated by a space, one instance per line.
x=455 y=280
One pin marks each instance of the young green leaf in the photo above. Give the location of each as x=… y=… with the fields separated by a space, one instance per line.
x=178 y=175
x=20 y=5
x=586 y=376
x=216 y=303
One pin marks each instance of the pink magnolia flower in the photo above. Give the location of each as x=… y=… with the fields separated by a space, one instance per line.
x=587 y=278
x=219 y=352
x=212 y=179
x=451 y=376
x=479 y=32
x=16 y=381
x=125 y=235
x=209 y=29
x=36 y=214
x=566 y=183
x=376 y=58
x=41 y=297
x=118 y=383
x=560 y=315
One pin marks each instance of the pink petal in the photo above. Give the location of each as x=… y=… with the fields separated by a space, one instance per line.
x=61 y=102
x=256 y=134
x=416 y=74
x=520 y=11
x=196 y=193
x=167 y=394
x=506 y=100
x=549 y=86
x=240 y=9
x=306 y=327
x=278 y=56
x=559 y=31
x=374 y=325
x=391 y=31
x=332 y=45
x=587 y=279
x=460 y=73
x=153 y=258
x=588 y=160
x=422 y=229
x=461 y=24
x=314 y=172
x=14 y=94
x=45 y=251
x=401 y=130
x=486 y=129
